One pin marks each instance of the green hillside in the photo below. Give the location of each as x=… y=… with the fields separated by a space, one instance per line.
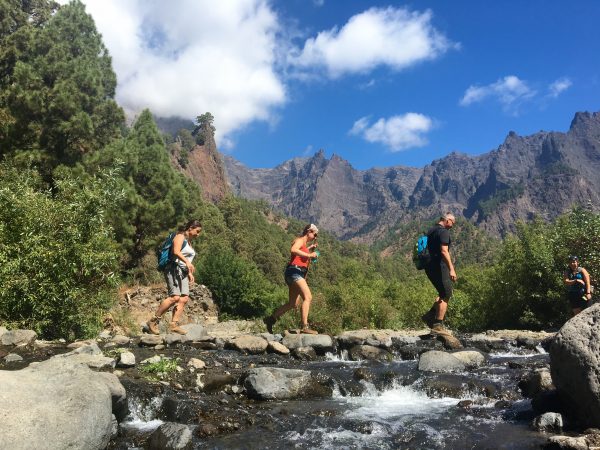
x=85 y=200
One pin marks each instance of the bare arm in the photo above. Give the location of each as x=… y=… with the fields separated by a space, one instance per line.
x=177 y=246
x=448 y=260
x=588 y=285
x=295 y=250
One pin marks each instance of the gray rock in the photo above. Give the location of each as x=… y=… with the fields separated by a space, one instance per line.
x=119 y=339
x=360 y=352
x=567 y=443
x=104 y=335
x=90 y=355
x=120 y=407
x=436 y=361
x=151 y=340
x=249 y=344
x=196 y=364
x=55 y=404
x=195 y=332
x=270 y=383
x=470 y=358
x=152 y=360
x=304 y=353
x=400 y=341
x=536 y=382
x=2 y=331
x=171 y=436
x=83 y=343
x=13 y=357
x=18 y=337
x=575 y=364
x=173 y=338
x=320 y=342
x=549 y=421
x=278 y=347
x=126 y=359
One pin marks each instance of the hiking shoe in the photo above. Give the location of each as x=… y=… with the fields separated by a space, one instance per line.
x=175 y=328
x=152 y=325
x=428 y=318
x=438 y=328
x=306 y=330
x=269 y=321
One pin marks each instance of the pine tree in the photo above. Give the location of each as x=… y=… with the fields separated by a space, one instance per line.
x=57 y=86
x=157 y=197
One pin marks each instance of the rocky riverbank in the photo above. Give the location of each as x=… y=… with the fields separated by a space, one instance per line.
x=220 y=381
x=229 y=385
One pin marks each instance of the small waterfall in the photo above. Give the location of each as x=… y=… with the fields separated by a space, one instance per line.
x=143 y=413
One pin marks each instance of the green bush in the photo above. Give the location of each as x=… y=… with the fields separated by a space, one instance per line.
x=58 y=261
x=238 y=286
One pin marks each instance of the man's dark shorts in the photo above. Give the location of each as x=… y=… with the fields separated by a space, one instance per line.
x=439 y=275
x=577 y=300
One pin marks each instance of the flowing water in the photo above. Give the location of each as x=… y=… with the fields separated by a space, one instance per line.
x=400 y=413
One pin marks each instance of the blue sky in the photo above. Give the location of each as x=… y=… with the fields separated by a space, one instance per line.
x=378 y=83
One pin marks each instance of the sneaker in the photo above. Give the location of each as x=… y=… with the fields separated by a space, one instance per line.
x=428 y=318
x=269 y=321
x=152 y=325
x=438 y=328
x=306 y=330
x=175 y=328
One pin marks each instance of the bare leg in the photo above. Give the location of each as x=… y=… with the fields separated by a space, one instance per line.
x=306 y=297
x=294 y=298
x=166 y=304
x=178 y=310
x=442 y=307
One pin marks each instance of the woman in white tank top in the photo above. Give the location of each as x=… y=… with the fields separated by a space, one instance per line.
x=178 y=276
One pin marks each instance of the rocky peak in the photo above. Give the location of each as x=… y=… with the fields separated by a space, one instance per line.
x=525 y=176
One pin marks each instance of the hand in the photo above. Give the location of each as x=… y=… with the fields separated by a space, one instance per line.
x=313 y=246
x=312 y=255
x=191 y=278
x=588 y=296
x=453 y=275
x=581 y=282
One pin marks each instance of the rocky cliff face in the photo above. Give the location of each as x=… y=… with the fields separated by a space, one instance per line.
x=543 y=175
x=205 y=166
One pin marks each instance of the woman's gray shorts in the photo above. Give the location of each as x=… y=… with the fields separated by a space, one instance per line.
x=177 y=282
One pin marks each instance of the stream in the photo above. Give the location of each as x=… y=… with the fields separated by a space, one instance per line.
x=374 y=405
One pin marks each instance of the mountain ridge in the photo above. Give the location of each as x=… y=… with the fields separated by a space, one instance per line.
x=541 y=175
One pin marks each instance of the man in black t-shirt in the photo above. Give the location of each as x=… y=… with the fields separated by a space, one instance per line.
x=440 y=272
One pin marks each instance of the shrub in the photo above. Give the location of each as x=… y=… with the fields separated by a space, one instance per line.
x=238 y=286
x=57 y=256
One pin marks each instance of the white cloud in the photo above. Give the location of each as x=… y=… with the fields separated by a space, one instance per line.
x=510 y=91
x=394 y=37
x=191 y=56
x=559 y=86
x=397 y=132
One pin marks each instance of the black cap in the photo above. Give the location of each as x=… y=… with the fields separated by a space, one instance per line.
x=573 y=258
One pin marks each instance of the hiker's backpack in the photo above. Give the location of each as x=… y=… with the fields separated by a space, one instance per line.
x=164 y=253
x=421 y=256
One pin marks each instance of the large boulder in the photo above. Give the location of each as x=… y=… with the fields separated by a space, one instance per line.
x=56 y=404
x=271 y=383
x=575 y=365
